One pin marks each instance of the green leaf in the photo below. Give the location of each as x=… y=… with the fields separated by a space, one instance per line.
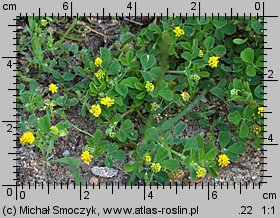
x=248 y=112
x=119 y=155
x=212 y=172
x=154 y=27
x=129 y=167
x=141 y=95
x=61 y=100
x=166 y=94
x=68 y=160
x=121 y=89
x=44 y=123
x=129 y=82
x=258 y=143
x=161 y=177
x=224 y=138
x=105 y=55
x=50 y=146
x=126 y=125
x=209 y=42
x=244 y=130
x=179 y=128
x=247 y=55
x=170 y=164
x=147 y=61
x=161 y=154
x=98 y=136
x=121 y=136
x=218 y=92
x=72 y=102
x=251 y=70
x=234 y=117
x=238 y=148
x=239 y=41
x=33 y=85
x=219 y=50
x=108 y=161
x=229 y=29
x=203 y=74
x=32 y=120
x=115 y=67
x=67 y=77
x=218 y=23
x=167 y=125
x=210 y=155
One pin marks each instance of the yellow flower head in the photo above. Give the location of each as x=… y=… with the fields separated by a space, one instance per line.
x=178 y=31
x=100 y=74
x=86 y=157
x=223 y=160
x=98 y=62
x=108 y=102
x=256 y=129
x=196 y=78
x=154 y=106
x=53 y=88
x=27 y=138
x=185 y=96
x=156 y=167
x=44 y=23
x=261 y=111
x=200 y=54
x=95 y=110
x=213 y=61
x=201 y=172
x=234 y=92
x=148 y=159
x=54 y=130
x=178 y=174
x=149 y=86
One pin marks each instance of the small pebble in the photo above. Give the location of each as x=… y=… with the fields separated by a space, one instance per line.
x=66 y=153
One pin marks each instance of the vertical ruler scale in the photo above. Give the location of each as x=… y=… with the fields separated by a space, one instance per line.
x=258 y=200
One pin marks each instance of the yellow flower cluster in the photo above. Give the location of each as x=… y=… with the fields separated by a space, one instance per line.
x=154 y=106
x=213 y=61
x=149 y=86
x=54 y=130
x=185 y=96
x=261 y=111
x=196 y=78
x=86 y=157
x=100 y=74
x=223 y=160
x=256 y=129
x=201 y=172
x=178 y=174
x=95 y=110
x=156 y=167
x=234 y=92
x=178 y=31
x=27 y=138
x=200 y=54
x=44 y=23
x=148 y=159
x=53 y=88
x=98 y=62
x=108 y=102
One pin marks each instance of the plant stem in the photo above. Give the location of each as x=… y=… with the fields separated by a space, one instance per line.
x=175 y=72
x=189 y=107
x=77 y=128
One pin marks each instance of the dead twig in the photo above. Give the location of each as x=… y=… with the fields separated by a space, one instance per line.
x=92 y=30
x=133 y=21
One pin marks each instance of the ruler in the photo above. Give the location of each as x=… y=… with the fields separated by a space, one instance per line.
x=160 y=200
